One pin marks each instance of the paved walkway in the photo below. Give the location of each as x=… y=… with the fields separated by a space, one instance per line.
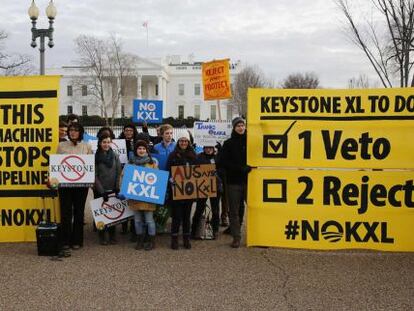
x=211 y=276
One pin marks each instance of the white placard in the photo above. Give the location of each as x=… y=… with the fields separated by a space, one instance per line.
x=117 y=145
x=72 y=170
x=111 y=212
x=209 y=133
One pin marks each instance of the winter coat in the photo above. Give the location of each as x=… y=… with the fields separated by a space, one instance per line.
x=232 y=159
x=67 y=147
x=107 y=179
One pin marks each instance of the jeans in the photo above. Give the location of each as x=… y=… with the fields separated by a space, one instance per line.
x=237 y=194
x=72 y=205
x=180 y=214
x=149 y=220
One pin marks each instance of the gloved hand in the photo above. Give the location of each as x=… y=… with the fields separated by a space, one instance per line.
x=120 y=196
x=246 y=169
x=105 y=197
x=116 y=191
x=218 y=146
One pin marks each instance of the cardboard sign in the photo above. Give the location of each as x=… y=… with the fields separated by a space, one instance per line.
x=144 y=184
x=73 y=170
x=117 y=145
x=211 y=133
x=145 y=110
x=216 y=80
x=109 y=213
x=194 y=181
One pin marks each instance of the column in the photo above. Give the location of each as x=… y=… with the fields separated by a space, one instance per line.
x=139 y=87
x=160 y=90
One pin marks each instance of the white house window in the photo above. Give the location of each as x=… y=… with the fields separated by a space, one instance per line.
x=156 y=89
x=229 y=112
x=181 y=89
x=122 y=111
x=84 y=110
x=181 y=112
x=70 y=109
x=84 y=90
x=213 y=113
x=197 y=112
x=197 y=89
x=69 y=90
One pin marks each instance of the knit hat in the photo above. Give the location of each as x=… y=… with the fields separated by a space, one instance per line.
x=236 y=121
x=141 y=143
x=183 y=135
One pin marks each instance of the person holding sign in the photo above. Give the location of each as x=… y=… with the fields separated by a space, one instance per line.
x=183 y=154
x=143 y=211
x=107 y=179
x=233 y=159
x=207 y=157
x=72 y=200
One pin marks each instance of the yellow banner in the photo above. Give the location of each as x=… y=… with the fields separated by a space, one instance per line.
x=331 y=128
x=29 y=125
x=216 y=80
x=331 y=209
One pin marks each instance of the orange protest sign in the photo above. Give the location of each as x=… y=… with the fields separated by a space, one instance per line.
x=216 y=80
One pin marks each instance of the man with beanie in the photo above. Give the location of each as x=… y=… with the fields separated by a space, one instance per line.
x=233 y=159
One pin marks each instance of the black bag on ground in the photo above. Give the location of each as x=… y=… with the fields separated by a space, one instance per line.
x=48 y=234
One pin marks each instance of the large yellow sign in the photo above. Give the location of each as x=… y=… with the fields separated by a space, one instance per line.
x=331 y=209
x=28 y=135
x=331 y=128
x=216 y=80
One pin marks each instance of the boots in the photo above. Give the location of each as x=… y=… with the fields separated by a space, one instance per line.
x=235 y=243
x=186 y=241
x=102 y=237
x=150 y=244
x=112 y=239
x=174 y=242
x=140 y=242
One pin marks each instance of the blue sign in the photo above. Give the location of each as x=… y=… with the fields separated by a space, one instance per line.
x=144 y=184
x=161 y=160
x=149 y=111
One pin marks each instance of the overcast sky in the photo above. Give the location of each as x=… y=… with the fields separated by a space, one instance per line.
x=280 y=36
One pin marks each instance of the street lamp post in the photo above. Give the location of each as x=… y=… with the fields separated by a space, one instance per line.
x=42 y=33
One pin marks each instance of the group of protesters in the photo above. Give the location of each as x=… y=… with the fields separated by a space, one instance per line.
x=232 y=170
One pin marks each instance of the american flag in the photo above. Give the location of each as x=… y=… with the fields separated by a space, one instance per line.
x=145 y=24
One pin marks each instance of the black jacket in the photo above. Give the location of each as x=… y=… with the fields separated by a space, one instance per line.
x=232 y=159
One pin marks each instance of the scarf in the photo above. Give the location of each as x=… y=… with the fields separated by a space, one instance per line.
x=137 y=160
x=106 y=158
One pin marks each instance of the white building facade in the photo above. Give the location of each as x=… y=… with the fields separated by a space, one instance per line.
x=178 y=84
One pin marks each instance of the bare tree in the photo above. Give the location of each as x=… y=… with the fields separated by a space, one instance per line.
x=16 y=64
x=249 y=77
x=106 y=69
x=389 y=46
x=307 y=80
x=361 y=82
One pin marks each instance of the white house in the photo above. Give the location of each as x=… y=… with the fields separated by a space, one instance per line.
x=177 y=83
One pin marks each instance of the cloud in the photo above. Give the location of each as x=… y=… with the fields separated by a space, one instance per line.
x=281 y=36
